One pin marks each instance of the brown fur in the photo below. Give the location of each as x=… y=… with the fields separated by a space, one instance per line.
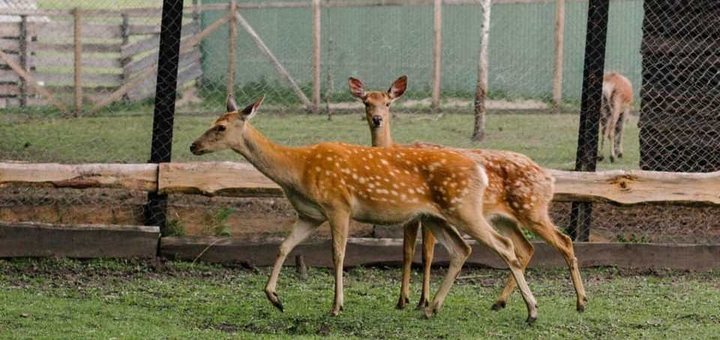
x=519 y=192
x=617 y=100
x=335 y=182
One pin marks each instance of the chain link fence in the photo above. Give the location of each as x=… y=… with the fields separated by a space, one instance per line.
x=250 y=48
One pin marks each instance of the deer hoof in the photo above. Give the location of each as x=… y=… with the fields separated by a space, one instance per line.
x=531 y=320
x=423 y=303
x=429 y=312
x=336 y=311
x=498 y=306
x=402 y=303
x=581 y=304
x=619 y=155
x=600 y=158
x=275 y=300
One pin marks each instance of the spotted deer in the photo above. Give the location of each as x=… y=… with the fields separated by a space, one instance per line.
x=617 y=99
x=518 y=194
x=336 y=182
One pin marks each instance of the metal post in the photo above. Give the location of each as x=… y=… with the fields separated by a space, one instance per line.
x=586 y=158
x=165 y=94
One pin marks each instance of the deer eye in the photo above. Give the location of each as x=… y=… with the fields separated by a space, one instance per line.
x=387 y=104
x=221 y=128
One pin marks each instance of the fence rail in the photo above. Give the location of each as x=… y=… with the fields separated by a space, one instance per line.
x=243 y=180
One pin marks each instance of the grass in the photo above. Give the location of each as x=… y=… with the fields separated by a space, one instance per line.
x=548 y=139
x=126 y=299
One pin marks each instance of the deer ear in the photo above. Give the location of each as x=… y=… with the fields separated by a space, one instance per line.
x=250 y=111
x=231 y=104
x=357 y=88
x=398 y=88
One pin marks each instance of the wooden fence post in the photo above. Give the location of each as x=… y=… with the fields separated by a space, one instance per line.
x=77 y=44
x=232 y=50
x=482 y=75
x=586 y=158
x=23 y=59
x=316 y=59
x=559 y=51
x=125 y=35
x=437 y=53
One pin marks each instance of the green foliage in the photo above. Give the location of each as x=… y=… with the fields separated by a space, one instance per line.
x=221 y=226
x=174 y=228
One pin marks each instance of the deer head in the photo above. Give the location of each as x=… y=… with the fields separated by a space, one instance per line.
x=377 y=103
x=227 y=130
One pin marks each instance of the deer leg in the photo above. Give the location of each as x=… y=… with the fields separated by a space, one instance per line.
x=541 y=225
x=619 y=132
x=603 y=127
x=473 y=224
x=428 y=251
x=409 y=239
x=339 y=222
x=523 y=250
x=300 y=231
x=458 y=251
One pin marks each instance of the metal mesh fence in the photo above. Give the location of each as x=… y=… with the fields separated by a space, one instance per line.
x=250 y=48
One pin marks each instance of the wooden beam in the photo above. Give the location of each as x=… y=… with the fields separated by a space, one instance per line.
x=317 y=53
x=275 y=62
x=635 y=186
x=437 y=54
x=77 y=69
x=368 y=251
x=559 y=52
x=232 y=51
x=79 y=241
x=211 y=178
x=481 y=87
x=33 y=83
x=125 y=176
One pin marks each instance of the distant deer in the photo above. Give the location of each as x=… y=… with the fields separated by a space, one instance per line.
x=519 y=193
x=336 y=182
x=617 y=99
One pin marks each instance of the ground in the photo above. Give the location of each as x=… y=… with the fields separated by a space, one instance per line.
x=166 y=299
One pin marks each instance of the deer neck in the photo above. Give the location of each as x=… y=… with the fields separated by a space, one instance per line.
x=381 y=137
x=277 y=162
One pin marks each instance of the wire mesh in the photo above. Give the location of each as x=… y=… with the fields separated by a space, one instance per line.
x=665 y=48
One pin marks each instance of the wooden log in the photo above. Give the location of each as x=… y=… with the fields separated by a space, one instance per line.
x=317 y=53
x=275 y=62
x=437 y=54
x=232 y=51
x=559 y=52
x=30 y=80
x=211 y=178
x=78 y=241
x=123 y=176
x=369 y=251
x=632 y=187
x=77 y=69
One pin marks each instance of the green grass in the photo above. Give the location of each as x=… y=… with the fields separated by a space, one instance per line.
x=548 y=139
x=175 y=300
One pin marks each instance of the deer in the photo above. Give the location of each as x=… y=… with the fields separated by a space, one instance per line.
x=336 y=182
x=518 y=194
x=617 y=99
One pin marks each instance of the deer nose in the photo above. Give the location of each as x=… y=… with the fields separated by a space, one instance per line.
x=377 y=120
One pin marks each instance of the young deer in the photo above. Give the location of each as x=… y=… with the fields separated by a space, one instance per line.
x=335 y=182
x=519 y=192
x=617 y=98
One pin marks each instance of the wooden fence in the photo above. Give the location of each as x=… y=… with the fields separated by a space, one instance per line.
x=86 y=55
x=242 y=180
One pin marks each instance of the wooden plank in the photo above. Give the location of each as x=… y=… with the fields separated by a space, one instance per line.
x=69 y=47
x=60 y=29
x=559 y=52
x=9 y=45
x=78 y=241
x=14 y=57
x=67 y=60
x=211 y=178
x=88 y=79
x=9 y=29
x=232 y=52
x=77 y=61
x=632 y=187
x=369 y=251
x=151 y=59
x=153 y=42
x=185 y=75
x=316 y=54
x=9 y=76
x=124 y=176
x=9 y=89
x=437 y=54
x=143 y=29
